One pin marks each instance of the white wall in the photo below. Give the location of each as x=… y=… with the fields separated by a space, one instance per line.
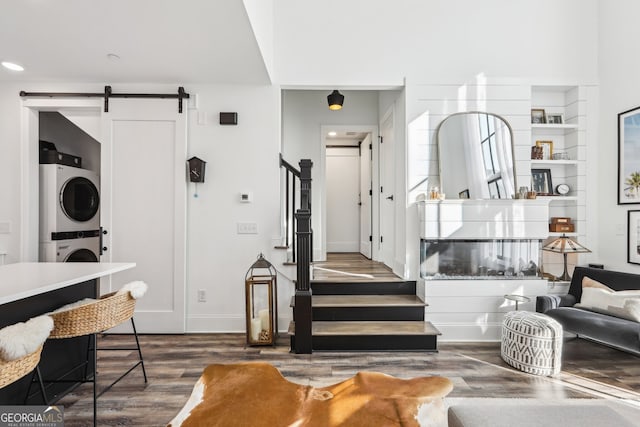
x=10 y=185
x=619 y=68
x=242 y=158
x=380 y=42
x=260 y=13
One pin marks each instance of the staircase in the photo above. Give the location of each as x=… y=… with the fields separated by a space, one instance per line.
x=345 y=314
x=373 y=315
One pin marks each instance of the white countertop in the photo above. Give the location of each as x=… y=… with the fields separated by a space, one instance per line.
x=26 y=279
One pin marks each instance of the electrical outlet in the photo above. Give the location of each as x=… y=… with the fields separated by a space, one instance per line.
x=202 y=295
x=247 y=228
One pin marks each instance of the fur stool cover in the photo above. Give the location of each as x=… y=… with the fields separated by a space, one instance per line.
x=532 y=342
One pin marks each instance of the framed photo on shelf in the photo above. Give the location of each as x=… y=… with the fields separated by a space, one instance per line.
x=547 y=149
x=628 y=157
x=633 y=237
x=464 y=194
x=538 y=116
x=541 y=182
x=555 y=119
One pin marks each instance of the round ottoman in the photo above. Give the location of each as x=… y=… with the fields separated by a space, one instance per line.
x=532 y=342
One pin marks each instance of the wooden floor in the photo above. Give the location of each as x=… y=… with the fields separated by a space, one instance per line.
x=353 y=267
x=175 y=362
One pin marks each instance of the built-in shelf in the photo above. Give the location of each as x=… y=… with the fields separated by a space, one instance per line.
x=558 y=234
x=559 y=198
x=554 y=126
x=553 y=162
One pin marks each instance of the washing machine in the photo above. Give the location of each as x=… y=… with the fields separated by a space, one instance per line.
x=69 y=201
x=85 y=249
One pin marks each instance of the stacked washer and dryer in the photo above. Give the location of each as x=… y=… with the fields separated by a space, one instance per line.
x=69 y=209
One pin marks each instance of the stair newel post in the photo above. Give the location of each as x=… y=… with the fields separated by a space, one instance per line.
x=303 y=338
x=305 y=195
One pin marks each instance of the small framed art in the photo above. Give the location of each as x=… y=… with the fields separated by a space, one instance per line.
x=547 y=149
x=633 y=237
x=555 y=119
x=628 y=157
x=541 y=182
x=538 y=116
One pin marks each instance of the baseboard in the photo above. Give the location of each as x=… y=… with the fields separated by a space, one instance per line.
x=469 y=332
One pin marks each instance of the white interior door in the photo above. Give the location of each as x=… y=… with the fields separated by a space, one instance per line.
x=387 y=186
x=365 y=196
x=342 y=187
x=143 y=192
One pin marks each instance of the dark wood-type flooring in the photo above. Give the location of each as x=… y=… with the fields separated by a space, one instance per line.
x=174 y=363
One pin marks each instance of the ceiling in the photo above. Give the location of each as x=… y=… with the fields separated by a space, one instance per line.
x=158 y=41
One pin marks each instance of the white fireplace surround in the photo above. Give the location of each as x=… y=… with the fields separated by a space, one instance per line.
x=484 y=219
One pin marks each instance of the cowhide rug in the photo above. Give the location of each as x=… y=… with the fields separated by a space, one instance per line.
x=256 y=394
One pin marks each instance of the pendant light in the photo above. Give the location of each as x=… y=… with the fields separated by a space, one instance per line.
x=335 y=99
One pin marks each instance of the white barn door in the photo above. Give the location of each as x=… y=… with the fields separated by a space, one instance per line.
x=143 y=190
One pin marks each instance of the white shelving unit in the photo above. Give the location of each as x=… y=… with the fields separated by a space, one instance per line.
x=568 y=137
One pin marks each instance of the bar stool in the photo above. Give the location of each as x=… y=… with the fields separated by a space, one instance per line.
x=91 y=317
x=20 y=349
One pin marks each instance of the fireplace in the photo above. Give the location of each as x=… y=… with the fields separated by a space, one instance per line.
x=443 y=259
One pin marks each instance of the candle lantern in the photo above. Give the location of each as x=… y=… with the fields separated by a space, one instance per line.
x=261 y=296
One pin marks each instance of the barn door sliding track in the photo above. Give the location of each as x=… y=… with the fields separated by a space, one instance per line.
x=109 y=94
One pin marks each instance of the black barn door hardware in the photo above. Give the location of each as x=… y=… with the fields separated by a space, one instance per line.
x=109 y=94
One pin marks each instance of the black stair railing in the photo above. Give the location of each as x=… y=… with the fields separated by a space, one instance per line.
x=301 y=238
x=291 y=175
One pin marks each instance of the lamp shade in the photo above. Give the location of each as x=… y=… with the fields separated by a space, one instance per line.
x=335 y=100
x=565 y=245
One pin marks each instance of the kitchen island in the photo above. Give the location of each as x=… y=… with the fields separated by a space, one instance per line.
x=31 y=289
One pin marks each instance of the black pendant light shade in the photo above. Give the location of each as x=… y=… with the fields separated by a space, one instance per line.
x=335 y=99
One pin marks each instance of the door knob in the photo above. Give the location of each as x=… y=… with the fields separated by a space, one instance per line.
x=390 y=197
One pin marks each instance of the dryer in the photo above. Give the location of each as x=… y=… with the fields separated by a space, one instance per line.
x=86 y=249
x=69 y=201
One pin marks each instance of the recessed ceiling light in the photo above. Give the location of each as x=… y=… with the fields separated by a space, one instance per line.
x=12 y=66
x=332 y=133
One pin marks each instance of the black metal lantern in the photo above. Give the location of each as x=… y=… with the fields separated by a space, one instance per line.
x=196 y=169
x=261 y=298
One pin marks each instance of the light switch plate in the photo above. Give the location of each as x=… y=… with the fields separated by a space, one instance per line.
x=247 y=228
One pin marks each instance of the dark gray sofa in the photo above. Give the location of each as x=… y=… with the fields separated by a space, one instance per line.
x=609 y=330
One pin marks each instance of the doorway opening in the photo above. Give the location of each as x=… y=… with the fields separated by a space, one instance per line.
x=348 y=172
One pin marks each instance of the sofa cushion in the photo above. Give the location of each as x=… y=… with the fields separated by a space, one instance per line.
x=602 y=299
x=613 y=331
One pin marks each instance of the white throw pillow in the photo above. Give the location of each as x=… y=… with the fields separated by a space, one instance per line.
x=600 y=298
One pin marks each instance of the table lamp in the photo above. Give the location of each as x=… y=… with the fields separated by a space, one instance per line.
x=565 y=245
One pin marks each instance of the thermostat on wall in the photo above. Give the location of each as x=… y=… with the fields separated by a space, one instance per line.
x=246 y=197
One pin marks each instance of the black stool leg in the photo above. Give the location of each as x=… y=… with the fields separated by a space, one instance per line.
x=95 y=379
x=135 y=334
x=37 y=377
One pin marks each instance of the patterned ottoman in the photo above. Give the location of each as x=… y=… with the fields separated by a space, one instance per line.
x=532 y=342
